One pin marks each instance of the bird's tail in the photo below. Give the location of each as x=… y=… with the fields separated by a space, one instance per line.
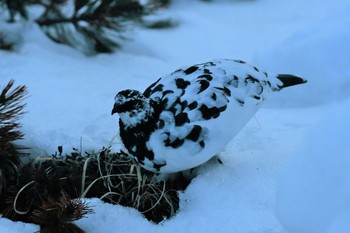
x=290 y=80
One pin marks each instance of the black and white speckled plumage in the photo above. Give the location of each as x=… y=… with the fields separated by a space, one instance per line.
x=187 y=117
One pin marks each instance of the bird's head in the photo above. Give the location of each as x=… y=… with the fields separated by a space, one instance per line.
x=132 y=106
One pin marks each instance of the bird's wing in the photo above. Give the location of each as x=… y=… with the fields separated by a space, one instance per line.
x=193 y=95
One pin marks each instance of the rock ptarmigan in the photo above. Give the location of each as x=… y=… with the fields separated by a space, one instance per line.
x=185 y=118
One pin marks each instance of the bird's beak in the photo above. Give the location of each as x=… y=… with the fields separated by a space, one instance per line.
x=114 y=110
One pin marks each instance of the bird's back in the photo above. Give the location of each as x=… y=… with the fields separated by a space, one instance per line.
x=204 y=107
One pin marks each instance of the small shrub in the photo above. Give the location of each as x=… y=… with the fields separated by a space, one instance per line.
x=112 y=177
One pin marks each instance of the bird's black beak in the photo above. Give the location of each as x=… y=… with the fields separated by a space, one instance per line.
x=114 y=110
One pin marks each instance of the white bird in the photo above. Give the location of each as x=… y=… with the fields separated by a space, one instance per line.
x=185 y=118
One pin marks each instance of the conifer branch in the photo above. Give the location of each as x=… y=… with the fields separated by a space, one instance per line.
x=57 y=215
x=11 y=109
x=94 y=26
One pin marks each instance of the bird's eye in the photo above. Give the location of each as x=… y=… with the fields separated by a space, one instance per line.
x=132 y=105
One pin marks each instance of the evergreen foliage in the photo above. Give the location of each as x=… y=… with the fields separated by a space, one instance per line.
x=92 y=26
x=57 y=215
x=16 y=7
x=11 y=110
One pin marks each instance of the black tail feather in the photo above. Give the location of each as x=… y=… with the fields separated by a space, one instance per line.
x=290 y=80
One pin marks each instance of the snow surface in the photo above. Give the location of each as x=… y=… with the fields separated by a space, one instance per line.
x=286 y=172
x=318 y=191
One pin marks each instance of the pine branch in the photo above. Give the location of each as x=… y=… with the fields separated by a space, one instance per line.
x=94 y=26
x=11 y=109
x=57 y=215
x=16 y=7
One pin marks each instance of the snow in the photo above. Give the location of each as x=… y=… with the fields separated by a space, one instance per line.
x=319 y=52
x=288 y=169
x=16 y=227
x=315 y=184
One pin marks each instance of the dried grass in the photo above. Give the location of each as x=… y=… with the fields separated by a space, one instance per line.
x=112 y=177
